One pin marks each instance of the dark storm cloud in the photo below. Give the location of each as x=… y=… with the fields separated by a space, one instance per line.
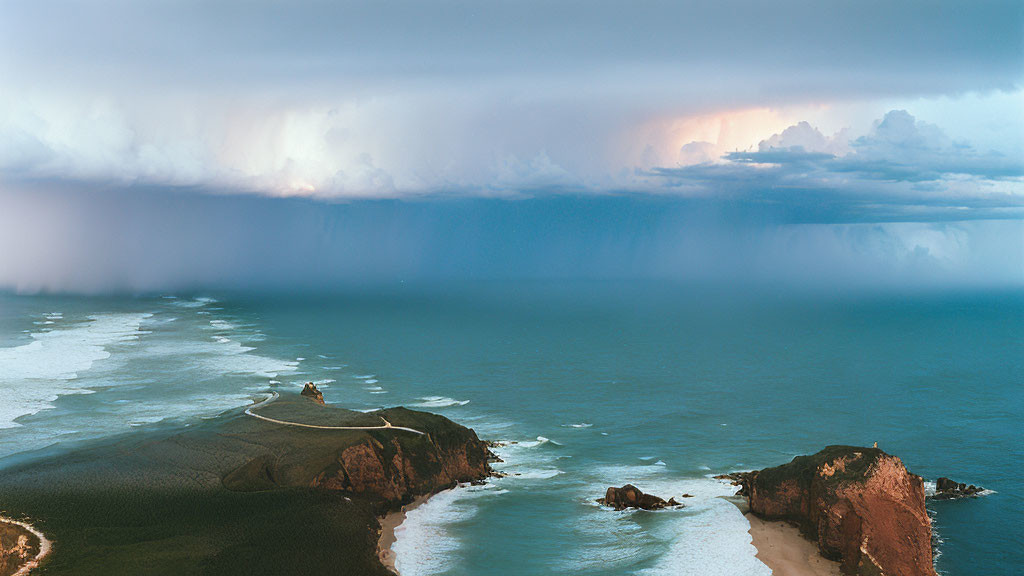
x=788 y=45
x=158 y=240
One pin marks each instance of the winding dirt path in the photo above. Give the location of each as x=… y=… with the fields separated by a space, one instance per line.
x=274 y=396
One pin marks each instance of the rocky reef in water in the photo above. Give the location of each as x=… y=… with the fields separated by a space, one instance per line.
x=630 y=496
x=240 y=495
x=860 y=505
x=946 y=489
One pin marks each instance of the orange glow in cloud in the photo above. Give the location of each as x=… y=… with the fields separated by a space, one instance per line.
x=710 y=136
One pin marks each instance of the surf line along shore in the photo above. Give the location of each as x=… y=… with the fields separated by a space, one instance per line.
x=21 y=545
x=390 y=522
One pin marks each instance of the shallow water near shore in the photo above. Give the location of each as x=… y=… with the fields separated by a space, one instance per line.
x=596 y=385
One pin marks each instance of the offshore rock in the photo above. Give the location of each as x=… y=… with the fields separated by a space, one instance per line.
x=737 y=479
x=630 y=496
x=861 y=506
x=946 y=489
x=313 y=393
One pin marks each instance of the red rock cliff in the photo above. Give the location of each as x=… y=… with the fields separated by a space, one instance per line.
x=389 y=466
x=860 y=505
x=397 y=471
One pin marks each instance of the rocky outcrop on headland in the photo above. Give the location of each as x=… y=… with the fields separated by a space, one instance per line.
x=390 y=467
x=630 y=496
x=18 y=548
x=241 y=496
x=946 y=489
x=736 y=479
x=400 y=468
x=860 y=505
x=313 y=393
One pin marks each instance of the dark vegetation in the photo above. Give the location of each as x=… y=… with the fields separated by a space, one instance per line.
x=156 y=502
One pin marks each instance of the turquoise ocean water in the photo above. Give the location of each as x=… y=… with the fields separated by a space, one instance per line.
x=661 y=386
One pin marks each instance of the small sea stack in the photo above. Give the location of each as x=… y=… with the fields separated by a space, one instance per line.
x=630 y=496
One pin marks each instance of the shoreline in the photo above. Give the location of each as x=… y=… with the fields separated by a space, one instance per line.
x=45 y=545
x=783 y=549
x=388 y=524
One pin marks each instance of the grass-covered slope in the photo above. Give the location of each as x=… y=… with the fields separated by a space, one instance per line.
x=238 y=495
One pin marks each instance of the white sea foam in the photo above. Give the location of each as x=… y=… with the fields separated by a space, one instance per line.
x=364 y=376
x=423 y=544
x=710 y=536
x=439 y=402
x=222 y=325
x=534 y=443
x=143 y=420
x=527 y=460
x=929 y=488
x=232 y=357
x=370 y=381
x=372 y=388
x=197 y=303
x=379 y=392
x=537 y=474
x=33 y=375
x=580 y=425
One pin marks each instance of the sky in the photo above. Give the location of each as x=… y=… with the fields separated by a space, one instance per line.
x=868 y=143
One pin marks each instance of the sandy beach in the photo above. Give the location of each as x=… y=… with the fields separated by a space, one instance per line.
x=388 y=524
x=781 y=547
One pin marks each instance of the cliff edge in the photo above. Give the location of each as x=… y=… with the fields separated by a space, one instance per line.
x=861 y=506
x=390 y=467
x=299 y=491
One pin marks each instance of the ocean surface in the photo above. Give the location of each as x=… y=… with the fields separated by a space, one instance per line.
x=597 y=385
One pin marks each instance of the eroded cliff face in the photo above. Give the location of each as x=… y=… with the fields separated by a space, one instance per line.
x=860 y=505
x=391 y=467
x=398 y=471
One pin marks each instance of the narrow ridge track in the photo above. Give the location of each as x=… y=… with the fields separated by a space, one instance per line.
x=274 y=396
